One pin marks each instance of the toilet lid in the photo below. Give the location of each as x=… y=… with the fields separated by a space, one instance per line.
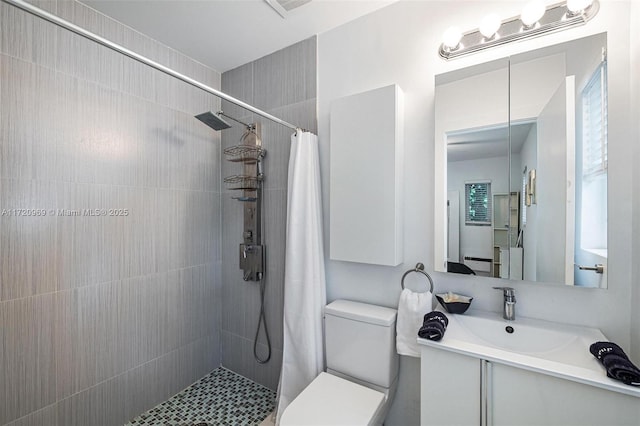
x=330 y=400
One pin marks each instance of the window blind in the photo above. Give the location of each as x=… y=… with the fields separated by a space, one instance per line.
x=478 y=203
x=594 y=124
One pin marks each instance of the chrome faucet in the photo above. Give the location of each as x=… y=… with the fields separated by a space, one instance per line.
x=509 y=309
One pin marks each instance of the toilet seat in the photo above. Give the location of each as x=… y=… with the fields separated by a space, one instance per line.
x=331 y=400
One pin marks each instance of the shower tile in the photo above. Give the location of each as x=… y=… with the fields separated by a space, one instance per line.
x=17 y=106
x=131 y=256
x=67 y=109
x=275 y=205
x=107 y=346
x=277 y=141
x=214 y=227
x=232 y=352
x=140 y=74
x=163 y=217
x=103 y=404
x=149 y=145
x=169 y=374
x=213 y=296
x=136 y=78
x=214 y=79
x=235 y=297
x=221 y=397
x=302 y=114
x=69 y=255
x=167 y=89
x=91 y=20
x=142 y=389
x=310 y=47
x=3 y=326
x=237 y=355
x=87 y=60
x=238 y=83
x=27 y=37
x=48 y=5
x=279 y=77
x=44 y=417
x=84 y=326
x=149 y=231
x=268 y=375
x=89 y=327
x=66 y=342
x=27 y=241
x=28 y=95
x=29 y=357
x=138 y=324
x=174 y=311
x=206 y=150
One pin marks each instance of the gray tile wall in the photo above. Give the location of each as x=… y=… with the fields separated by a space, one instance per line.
x=103 y=317
x=283 y=84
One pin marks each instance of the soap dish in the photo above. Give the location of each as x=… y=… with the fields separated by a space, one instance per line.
x=454 y=303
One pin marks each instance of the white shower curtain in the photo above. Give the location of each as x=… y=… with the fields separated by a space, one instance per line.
x=304 y=280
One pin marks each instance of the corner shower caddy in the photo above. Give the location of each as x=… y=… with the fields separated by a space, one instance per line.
x=250 y=153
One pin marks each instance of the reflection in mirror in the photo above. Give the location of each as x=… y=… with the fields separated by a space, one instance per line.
x=525 y=189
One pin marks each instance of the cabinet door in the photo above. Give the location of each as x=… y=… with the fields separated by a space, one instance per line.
x=521 y=397
x=450 y=389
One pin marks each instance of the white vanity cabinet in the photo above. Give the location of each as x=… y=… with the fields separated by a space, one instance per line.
x=521 y=397
x=449 y=388
x=459 y=389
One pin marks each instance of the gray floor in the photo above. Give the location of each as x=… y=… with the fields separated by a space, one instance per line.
x=220 y=398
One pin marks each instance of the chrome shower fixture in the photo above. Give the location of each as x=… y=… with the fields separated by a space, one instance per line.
x=216 y=122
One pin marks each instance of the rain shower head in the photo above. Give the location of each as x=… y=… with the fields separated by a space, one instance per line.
x=213 y=120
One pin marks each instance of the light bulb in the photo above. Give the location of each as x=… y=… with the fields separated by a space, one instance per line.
x=451 y=37
x=577 y=6
x=532 y=12
x=489 y=25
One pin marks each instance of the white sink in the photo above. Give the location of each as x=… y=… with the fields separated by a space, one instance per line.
x=546 y=347
x=541 y=339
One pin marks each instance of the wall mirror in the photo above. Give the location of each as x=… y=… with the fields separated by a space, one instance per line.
x=521 y=166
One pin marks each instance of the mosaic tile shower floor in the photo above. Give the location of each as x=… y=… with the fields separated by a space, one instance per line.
x=219 y=398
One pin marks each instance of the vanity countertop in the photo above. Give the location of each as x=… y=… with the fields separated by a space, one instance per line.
x=545 y=347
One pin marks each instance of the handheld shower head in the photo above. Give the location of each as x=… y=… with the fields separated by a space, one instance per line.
x=213 y=120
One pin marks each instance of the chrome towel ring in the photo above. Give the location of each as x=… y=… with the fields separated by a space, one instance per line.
x=419 y=268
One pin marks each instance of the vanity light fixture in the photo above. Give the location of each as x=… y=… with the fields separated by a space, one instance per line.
x=535 y=20
x=451 y=39
x=531 y=14
x=489 y=26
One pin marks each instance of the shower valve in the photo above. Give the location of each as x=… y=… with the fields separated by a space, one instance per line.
x=252 y=261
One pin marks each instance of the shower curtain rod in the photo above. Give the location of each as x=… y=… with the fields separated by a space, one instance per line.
x=133 y=55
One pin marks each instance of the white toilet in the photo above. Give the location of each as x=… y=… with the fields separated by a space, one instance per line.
x=362 y=369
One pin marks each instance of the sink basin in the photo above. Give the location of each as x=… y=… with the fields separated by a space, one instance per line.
x=550 y=348
x=515 y=336
x=541 y=339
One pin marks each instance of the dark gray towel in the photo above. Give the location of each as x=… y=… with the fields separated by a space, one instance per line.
x=434 y=325
x=616 y=362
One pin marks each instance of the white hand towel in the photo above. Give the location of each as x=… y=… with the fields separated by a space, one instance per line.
x=411 y=309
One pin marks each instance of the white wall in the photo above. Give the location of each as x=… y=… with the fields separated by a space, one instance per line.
x=477 y=240
x=398 y=44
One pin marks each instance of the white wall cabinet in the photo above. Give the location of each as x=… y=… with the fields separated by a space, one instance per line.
x=365 y=207
x=462 y=390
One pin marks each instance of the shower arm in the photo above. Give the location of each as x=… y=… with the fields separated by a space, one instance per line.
x=36 y=11
x=248 y=126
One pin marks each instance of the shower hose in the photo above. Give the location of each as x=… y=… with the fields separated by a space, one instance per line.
x=262 y=321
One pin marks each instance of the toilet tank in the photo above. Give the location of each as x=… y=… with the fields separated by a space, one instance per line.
x=360 y=341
